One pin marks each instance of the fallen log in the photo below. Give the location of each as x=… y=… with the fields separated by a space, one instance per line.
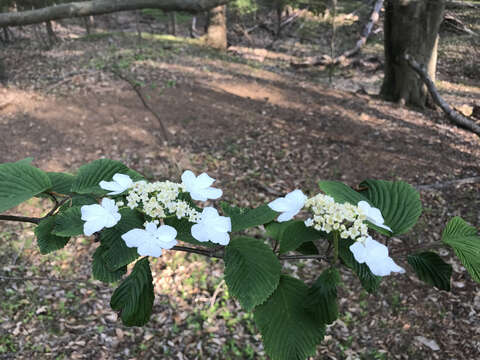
x=451 y=113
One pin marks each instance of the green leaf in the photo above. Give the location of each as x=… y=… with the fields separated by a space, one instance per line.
x=61 y=182
x=430 y=268
x=19 y=182
x=46 y=240
x=369 y=281
x=118 y=253
x=465 y=241
x=100 y=269
x=252 y=271
x=89 y=175
x=26 y=161
x=134 y=297
x=322 y=296
x=295 y=234
x=69 y=222
x=308 y=248
x=184 y=231
x=289 y=331
x=398 y=202
x=246 y=218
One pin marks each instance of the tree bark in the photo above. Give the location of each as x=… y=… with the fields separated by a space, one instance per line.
x=99 y=7
x=217 y=28
x=411 y=26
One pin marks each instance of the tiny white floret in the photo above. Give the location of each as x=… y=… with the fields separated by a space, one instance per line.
x=97 y=216
x=373 y=215
x=152 y=240
x=289 y=206
x=199 y=186
x=212 y=227
x=375 y=255
x=120 y=183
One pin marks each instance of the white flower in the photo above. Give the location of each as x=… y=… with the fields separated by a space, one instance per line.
x=212 y=227
x=152 y=240
x=199 y=186
x=120 y=183
x=289 y=206
x=375 y=255
x=99 y=216
x=373 y=215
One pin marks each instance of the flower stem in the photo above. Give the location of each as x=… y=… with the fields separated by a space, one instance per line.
x=335 y=246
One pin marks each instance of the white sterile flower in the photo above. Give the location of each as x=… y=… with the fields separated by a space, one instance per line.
x=212 y=227
x=152 y=240
x=289 y=206
x=99 y=216
x=373 y=214
x=199 y=186
x=120 y=183
x=375 y=255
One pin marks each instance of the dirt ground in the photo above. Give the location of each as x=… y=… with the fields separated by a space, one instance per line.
x=260 y=128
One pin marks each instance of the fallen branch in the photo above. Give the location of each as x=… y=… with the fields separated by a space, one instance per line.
x=453 y=115
x=450 y=22
x=441 y=185
x=343 y=59
x=67 y=78
x=461 y=4
x=136 y=88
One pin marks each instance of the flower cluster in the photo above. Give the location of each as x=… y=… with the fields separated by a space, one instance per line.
x=329 y=215
x=158 y=201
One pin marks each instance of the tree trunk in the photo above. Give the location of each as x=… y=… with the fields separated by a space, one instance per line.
x=217 y=28
x=411 y=26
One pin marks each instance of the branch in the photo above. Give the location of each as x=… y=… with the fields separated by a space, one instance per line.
x=32 y=220
x=440 y=185
x=303 y=257
x=136 y=88
x=99 y=7
x=453 y=115
x=342 y=59
x=204 y=252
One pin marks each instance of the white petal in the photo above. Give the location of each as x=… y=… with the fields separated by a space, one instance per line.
x=90 y=212
x=221 y=238
x=212 y=193
x=92 y=226
x=209 y=213
x=112 y=186
x=151 y=228
x=359 y=251
x=384 y=267
x=385 y=227
x=149 y=249
x=199 y=232
x=198 y=195
x=123 y=180
x=375 y=250
x=204 y=181
x=375 y=216
x=279 y=205
x=222 y=224
x=109 y=205
x=136 y=237
x=166 y=233
x=297 y=198
x=364 y=206
x=188 y=179
x=287 y=215
x=112 y=219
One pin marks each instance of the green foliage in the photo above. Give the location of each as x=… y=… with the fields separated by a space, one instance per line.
x=322 y=297
x=118 y=253
x=430 y=268
x=245 y=218
x=19 y=182
x=398 y=201
x=465 y=241
x=292 y=234
x=69 y=222
x=46 y=240
x=61 y=182
x=90 y=175
x=369 y=281
x=252 y=271
x=134 y=297
x=101 y=271
x=289 y=331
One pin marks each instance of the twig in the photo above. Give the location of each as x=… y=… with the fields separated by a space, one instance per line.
x=203 y=252
x=302 y=257
x=16 y=278
x=136 y=88
x=217 y=290
x=440 y=185
x=453 y=115
x=32 y=220
x=342 y=59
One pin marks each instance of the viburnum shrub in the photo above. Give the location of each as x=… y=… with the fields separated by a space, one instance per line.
x=134 y=219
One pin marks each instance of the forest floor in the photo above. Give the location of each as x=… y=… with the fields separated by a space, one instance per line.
x=261 y=129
